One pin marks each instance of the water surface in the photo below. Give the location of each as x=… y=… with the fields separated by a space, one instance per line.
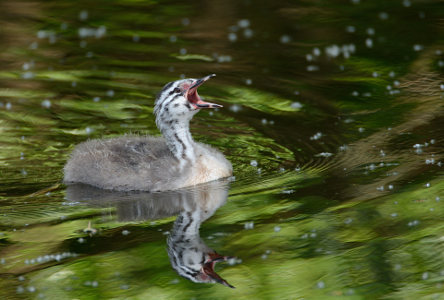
x=332 y=119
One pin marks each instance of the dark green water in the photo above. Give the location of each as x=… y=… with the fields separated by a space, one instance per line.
x=333 y=120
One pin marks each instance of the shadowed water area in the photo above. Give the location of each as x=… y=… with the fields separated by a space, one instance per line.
x=332 y=119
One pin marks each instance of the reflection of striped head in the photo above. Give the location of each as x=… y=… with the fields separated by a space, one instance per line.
x=189 y=255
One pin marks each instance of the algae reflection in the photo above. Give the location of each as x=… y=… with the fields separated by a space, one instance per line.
x=188 y=253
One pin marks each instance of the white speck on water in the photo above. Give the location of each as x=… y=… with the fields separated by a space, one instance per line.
x=375 y=74
x=392 y=74
x=28 y=75
x=124 y=287
x=94 y=284
x=361 y=129
x=249 y=225
x=427 y=185
x=46 y=103
x=125 y=232
x=413 y=223
x=285 y=39
x=31 y=289
x=185 y=21
x=173 y=38
x=388 y=88
x=430 y=161
x=8 y=105
x=34 y=45
x=320 y=285
x=81 y=240
x=348 y=221
x=441 y=63
x=264 y=256
x=380 y=188
x=425 y=276
x=232 y=37
x=368 y=42
x=383 y=15
x=333 y=51
x=244 y=23
x=394 y=215
x=20 y=289
x=312 y=68
x=83 y=15
x=235 y=108
x=350 y=29
x=21 y=278
x=370 y=31
x=296 y=105
x=309 y=57
x=248 y=33
x=355 y=93
x=343 y=148
x=437 y=199
x=248 y=81
x=73 y=84
x=183 y=51
x=316 y=136
x=390 y=186
x=253 y=163
x=432 y=141
x=110 y=93
x=441 y=87
x=367 y=94
x=277 y=228
x=316 y=51
x=89 y=130
x=324 y=154
x=264 y=121
x=418 y=47
x=406 y=3
x=96 y=99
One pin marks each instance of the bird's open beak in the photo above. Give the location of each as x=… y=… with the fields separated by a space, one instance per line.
x=195 y=99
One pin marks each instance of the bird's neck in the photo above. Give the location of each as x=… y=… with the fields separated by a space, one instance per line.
x=179 y=141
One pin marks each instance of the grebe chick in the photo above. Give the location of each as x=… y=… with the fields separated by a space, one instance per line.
x=152 y=163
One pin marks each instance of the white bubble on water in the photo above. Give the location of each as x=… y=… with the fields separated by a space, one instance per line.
x=368 y=42
x=370 y=31
x=383 y=15
x=285 y=39
x=350 y=29
x=232 y=37
x=46 y=103
x=418 y=47
x=244 y=23
x=83 y=15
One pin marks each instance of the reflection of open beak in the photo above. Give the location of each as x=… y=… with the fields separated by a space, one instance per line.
x=208 y=268
x=195 y=99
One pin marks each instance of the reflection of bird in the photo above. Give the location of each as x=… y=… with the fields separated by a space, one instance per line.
x=188 y=253
x=151 y=163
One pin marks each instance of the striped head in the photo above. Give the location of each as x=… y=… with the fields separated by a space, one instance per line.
x=179 y=101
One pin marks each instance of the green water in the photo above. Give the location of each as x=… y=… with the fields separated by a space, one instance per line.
x=333 y=120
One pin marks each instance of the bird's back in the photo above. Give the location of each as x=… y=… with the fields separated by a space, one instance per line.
x=125 y=163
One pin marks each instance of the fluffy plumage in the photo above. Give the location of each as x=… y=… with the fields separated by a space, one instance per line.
x=153 y=163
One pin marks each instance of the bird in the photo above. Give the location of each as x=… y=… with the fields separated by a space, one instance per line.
x=149 y=163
